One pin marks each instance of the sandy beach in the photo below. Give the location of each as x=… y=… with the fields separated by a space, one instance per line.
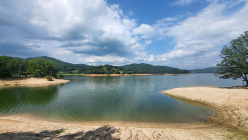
x=29 y=82
x=230 y=121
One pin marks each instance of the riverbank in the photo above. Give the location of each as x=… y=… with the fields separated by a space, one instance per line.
x=230 y=104
x=29 y=82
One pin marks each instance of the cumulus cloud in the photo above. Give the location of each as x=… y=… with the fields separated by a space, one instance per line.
x=205 y=33
x=81 y=27
x=94 y=32
x=145 y=30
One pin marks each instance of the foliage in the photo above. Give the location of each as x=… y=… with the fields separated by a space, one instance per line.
x=43 y=66
x=5 y=66
x=49 y=78
x=234 y=62
x=147 y=68
x=205 y=70
x=69 y=68
x=35 y=67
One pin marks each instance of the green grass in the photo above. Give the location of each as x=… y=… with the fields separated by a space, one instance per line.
x=237 y=137
x=60 y=131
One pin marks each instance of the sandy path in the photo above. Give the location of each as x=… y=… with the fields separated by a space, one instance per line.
x=226 y=102
x=29 y=82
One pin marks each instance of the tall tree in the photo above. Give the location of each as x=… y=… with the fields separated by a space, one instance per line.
x=234 y=62
x=5 y=66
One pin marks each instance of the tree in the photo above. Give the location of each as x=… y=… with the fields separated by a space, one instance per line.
x=234 y=62
x=5 y=66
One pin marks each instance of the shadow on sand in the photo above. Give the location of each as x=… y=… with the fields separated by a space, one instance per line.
x=102 y=133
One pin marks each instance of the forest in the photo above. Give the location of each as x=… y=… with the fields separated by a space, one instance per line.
x=43 y=66
x=16 y=67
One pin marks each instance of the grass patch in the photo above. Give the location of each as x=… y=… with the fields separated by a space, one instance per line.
x=60 y=131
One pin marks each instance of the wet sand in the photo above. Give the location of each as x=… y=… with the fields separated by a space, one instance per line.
x=231 y=107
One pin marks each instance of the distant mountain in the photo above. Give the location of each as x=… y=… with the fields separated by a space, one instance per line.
x=66 y=67
x=59 y=62
x=148 y=68
x=205 y=70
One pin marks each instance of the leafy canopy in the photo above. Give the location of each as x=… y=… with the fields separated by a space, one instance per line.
x=234 y=62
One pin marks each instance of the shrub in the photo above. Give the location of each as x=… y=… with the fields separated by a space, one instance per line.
x=49 y=78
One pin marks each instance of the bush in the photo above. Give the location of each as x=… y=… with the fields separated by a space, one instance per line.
x=49 y=78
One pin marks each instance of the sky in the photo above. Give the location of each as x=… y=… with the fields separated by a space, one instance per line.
x=185 y=34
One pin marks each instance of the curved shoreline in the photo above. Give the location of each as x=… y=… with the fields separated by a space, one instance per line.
x=230 y=104
x=29 y=82
x=217 y=127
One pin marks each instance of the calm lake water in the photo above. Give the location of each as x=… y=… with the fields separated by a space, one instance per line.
x=124 y=98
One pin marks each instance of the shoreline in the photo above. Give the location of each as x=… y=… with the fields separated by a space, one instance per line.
x=230 y=104
x=29 y=82
x=220 y=126
x=93 y=75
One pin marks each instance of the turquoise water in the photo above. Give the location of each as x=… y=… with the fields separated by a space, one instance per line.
x=124 y=98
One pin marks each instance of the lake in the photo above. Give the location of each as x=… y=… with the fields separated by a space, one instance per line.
x=122 y=98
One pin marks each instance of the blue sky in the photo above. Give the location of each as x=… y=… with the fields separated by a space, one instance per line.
x=185 y=34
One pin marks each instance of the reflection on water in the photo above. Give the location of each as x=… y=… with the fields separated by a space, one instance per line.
x=25 y=99
x=127 y=98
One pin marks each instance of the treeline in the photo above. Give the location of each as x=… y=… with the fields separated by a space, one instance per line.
x=16 y=67
x=106 y=69
x=205 y=70
x=150 y=69
x=43 y=66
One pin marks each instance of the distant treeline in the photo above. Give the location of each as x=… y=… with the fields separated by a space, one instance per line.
x=150 y=69
x=205 y=70
x=16 y=67
x=25 y=68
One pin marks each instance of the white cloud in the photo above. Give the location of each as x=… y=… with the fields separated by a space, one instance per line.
x=145 y=30
x=111 y=59
x=205 y=33
x=83 y=28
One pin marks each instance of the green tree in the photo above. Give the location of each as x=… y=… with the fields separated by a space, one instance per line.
x=23 y=68
x=40 y=67
x=16 y=66
x=5 y=66
x=234 y=62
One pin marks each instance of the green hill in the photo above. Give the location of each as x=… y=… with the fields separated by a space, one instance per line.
x=205 y=70
x=148 y=68
x=66 y=67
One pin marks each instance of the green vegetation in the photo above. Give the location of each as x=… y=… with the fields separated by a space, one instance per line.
x=234 y=62
x=16 y=67
x=150 y=69
x=43 y=66
x=205 y=70
x=68 y=68
x=49 y=78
